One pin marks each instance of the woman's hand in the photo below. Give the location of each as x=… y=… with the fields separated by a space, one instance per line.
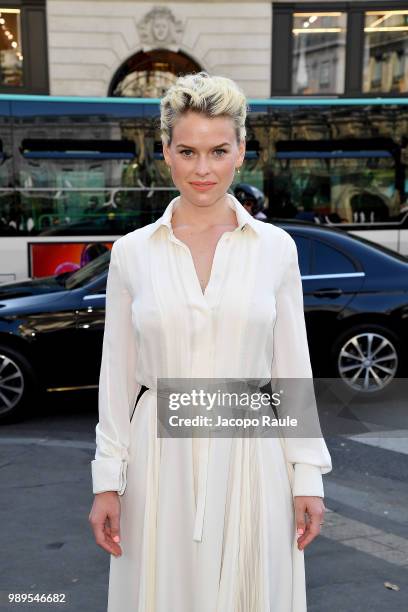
x=315 y=509
x=105 y=518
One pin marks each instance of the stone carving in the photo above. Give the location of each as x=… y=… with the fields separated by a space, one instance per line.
x=159 y=27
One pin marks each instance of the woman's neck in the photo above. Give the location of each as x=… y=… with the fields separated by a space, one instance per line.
x=201 y=218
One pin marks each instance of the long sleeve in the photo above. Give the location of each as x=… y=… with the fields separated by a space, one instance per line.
x=291 y=360
x=118 y=387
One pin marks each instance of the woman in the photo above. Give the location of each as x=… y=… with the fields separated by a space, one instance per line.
x=205 y=291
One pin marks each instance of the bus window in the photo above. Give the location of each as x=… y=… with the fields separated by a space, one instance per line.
x=73 y=187
x=87 y=167
x=338 y=181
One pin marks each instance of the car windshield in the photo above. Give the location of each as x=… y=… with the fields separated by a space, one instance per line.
x=85 y=274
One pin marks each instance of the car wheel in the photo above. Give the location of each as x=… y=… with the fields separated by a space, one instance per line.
x=367 y=358
x=17 y=383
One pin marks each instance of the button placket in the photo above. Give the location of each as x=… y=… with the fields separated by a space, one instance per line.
x=203 y=356
x=215 y=268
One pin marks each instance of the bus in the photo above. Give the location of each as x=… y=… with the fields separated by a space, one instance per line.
x=76 y=173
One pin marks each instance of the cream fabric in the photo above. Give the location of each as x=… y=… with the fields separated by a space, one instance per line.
x=207 y=525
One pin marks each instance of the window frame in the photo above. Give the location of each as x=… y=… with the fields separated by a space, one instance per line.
x=34 y=47
x=282 y=46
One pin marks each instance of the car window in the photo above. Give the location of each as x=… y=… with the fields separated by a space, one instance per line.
x=88 y=272
x=100 y=287
x=304 y=249
x=328 y=260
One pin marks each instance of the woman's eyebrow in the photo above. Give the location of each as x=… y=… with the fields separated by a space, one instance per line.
x=216 y=147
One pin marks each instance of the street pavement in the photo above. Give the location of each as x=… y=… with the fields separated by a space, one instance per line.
x=359 y=563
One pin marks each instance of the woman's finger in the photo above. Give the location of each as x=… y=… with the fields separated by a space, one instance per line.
x=111 y=533
x=114 y=523
x=300 y=509
x=312 y=530
x=101 y=538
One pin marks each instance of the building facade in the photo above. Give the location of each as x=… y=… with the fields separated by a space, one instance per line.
x=132 y=48
x=100 y=48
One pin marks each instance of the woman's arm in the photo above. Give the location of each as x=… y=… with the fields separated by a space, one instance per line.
x=118 y=387
x=291 y=360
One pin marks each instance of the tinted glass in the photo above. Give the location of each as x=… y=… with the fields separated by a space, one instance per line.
x=328 y=260
x=304 y=253
x=89 y=272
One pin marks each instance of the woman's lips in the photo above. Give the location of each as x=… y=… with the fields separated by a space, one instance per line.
x=202 y=186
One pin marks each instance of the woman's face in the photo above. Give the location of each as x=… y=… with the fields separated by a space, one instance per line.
x=203 y=156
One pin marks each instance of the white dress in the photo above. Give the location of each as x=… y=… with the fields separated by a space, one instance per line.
x=207 y=525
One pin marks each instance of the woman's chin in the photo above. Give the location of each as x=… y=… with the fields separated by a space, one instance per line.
x=208 y=196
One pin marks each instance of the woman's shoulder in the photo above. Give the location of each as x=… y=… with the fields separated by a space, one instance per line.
x=134 y=238
x=277 y=234
x=130 y=250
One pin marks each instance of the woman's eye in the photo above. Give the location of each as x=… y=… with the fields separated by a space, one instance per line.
x=189 y=152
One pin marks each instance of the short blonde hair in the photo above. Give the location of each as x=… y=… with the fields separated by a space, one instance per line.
x=212 y=95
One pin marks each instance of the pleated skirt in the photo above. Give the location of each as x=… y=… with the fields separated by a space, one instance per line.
x=247 y=561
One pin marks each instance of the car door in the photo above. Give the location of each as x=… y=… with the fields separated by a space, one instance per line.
x=305 y=252
x=330 y=280
x=53 y=331
x=90 y=321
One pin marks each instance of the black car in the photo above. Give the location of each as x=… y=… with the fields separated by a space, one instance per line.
x=356 y=309
x=356 y=306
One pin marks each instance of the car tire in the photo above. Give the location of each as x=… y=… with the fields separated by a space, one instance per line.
x=17 y=384
x=367 y=358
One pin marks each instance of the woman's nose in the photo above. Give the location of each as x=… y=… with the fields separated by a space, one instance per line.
x=202 y=167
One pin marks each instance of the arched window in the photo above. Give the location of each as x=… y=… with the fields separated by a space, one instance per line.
x=148 y=74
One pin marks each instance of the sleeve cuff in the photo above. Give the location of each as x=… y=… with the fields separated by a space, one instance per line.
x=109 y=475
x=308 y=480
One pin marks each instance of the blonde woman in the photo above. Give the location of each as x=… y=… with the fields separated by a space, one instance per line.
x=205 y=525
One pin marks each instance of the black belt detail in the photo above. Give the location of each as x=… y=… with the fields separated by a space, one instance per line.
x=142 y=390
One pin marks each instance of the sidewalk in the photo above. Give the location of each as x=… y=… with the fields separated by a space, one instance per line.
x=49 y=546
x=349 y=563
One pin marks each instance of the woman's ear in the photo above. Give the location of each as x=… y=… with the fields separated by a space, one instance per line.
x=166 y=153
x=241 y=149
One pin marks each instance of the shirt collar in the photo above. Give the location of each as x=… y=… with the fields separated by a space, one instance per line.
x=244 y=218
